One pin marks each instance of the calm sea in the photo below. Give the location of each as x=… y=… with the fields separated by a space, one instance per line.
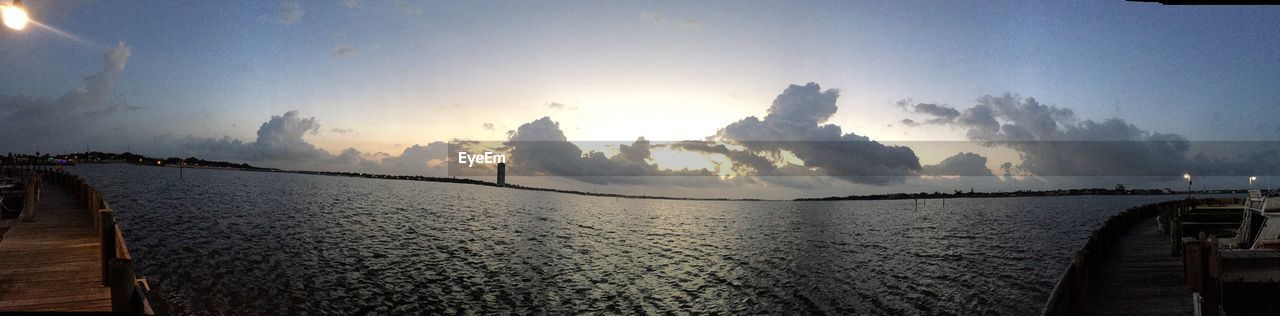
x=234 y=242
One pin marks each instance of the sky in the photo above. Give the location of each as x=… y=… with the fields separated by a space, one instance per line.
x=370 y=85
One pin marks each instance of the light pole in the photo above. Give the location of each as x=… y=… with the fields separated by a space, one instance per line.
x=1187 y=176
x=15 y=15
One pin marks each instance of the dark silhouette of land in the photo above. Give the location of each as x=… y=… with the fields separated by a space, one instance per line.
x=1119 y=190
x=193 y=162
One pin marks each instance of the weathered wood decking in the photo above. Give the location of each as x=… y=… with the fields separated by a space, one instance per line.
x=1139 y=277
x=55 y=262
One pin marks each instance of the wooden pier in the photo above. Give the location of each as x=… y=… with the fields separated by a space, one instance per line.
x=65 y=252
x=1144 y=262
x=1140 y=277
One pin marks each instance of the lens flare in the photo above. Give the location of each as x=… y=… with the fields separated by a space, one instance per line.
x=15 y=17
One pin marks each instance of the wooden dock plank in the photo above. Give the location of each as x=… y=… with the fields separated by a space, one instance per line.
x=1139 y=277
x=53 y=263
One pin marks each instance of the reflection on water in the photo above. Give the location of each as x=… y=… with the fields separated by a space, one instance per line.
x=231 y=242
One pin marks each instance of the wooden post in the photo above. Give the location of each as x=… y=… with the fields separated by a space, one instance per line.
x=29 y=202
x=122 y=283
x=1193 y=264
x=87 y=195
x=96 y=215
x=37 y=179
x=1175 y=233
x=1079 y=286
x=1213 y=280
x=107 y=232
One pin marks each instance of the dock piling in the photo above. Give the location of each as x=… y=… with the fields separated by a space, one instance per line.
x=122 y=285
x=108 y=235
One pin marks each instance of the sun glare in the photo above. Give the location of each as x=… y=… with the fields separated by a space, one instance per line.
x=15 y=17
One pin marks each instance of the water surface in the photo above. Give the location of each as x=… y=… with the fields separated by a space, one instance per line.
x=235 y=242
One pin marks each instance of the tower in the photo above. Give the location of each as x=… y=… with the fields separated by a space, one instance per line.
x=502 y=174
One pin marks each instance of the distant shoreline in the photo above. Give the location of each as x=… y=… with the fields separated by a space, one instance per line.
x=194 y=163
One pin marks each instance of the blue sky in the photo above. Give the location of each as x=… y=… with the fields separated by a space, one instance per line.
x=380 y=76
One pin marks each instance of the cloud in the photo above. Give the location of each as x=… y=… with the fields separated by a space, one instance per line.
x=280 y=139
x=409 y=8
x=341 y=130
x=540 y=148
x=488 y=126
x=960 y=164
x=794 y=125
x=352 y=4
x=940 y=114
x=344 y=51
x=68 y=120
x=418 y=160
x=744 y=162
x=281 y=142
x=660 y=20
x=561 y=106
x=289 y=12
x=1053 y=141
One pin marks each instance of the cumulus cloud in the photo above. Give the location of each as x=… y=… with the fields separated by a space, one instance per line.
x=488 y=126
x=555 y=105
x=281 y=142
x=1053 y=141
x=960 y=164
x=418 y=160
x=744 y=162
x=280 y=139
x=540 y=148
x=28 y=121
x=794 y=124
x=939 y=114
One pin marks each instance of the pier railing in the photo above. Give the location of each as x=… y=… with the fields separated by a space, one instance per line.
x=128 y=291
x=1069 y=296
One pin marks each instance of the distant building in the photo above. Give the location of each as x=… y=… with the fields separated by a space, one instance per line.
x=502 y=174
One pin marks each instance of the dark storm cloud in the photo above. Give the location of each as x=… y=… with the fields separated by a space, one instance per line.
x=960 y=164
x=794 y=124
x=540 y=148
x=65 y=122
